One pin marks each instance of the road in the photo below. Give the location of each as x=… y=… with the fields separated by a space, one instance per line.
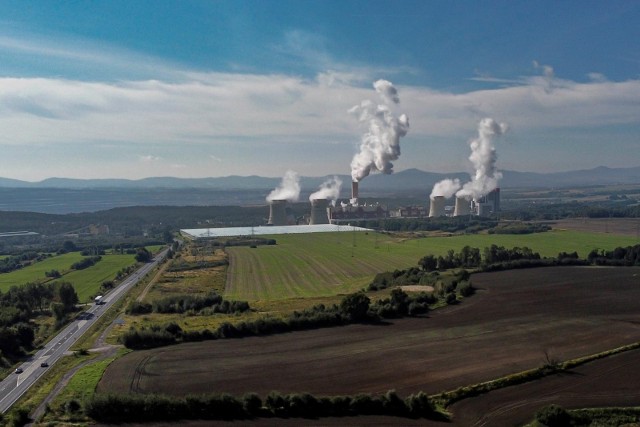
x=15 y=385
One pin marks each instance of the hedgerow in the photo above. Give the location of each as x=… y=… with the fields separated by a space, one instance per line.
x=116 y=408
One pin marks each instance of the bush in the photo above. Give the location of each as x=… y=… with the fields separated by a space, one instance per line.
x=86 y=262
x=553 y=416
x=137 y=307
x=355 y=306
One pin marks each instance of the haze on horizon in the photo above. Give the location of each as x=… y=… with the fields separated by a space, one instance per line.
x=191 y=89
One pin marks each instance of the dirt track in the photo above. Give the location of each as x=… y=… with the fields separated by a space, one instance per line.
x=506 y=327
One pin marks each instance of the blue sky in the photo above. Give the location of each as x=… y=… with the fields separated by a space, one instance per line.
x=131 y=89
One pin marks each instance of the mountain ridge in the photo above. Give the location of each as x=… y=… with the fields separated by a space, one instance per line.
x=409 y=179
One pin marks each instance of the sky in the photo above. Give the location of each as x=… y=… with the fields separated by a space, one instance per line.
x=207 y=88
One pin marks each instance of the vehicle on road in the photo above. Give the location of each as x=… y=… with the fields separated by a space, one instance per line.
x=19 y=371
x=98 y=300
x=44 y=365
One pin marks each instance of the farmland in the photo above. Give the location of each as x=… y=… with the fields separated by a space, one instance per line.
x=35 y=272
x=87 y=282
x=325 y=264
x=514 y=320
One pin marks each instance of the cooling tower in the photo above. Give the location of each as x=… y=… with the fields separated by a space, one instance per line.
x=436 y=208
x=463 y=207
x=277 y=212
x=319 y=214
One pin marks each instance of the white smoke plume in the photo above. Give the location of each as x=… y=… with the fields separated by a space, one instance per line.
x=330 y=189
x=289 y=188
x=483 y=157
x=380 y=144
x=446 y=188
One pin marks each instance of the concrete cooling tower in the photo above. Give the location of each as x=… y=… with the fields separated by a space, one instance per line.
x=463 y=207
x=319 y=214
x=436 y=208
x=277 y=212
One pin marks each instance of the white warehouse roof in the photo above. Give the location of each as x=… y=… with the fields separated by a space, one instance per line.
x=200 y=233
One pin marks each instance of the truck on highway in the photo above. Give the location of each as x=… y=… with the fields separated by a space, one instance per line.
x=98 y=300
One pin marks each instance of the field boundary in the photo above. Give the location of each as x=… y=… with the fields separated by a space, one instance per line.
x=446 y=399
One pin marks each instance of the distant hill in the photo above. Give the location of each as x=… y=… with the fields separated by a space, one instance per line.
x=409 y=180
x=62 y=195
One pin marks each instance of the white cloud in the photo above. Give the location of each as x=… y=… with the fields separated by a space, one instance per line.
x=149 y=159
x=264 y=111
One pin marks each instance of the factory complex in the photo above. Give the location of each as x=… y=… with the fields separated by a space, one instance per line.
x=325 y=211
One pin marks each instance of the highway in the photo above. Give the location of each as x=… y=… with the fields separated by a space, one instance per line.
x=15 y=385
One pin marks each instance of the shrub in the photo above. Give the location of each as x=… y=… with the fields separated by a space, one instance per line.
x=553 y=416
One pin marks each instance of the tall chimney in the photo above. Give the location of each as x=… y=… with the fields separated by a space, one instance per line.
x=354 y=193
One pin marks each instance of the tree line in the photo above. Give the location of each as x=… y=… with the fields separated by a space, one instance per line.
x=353 y=308
x=210 y=303
x=117 y=408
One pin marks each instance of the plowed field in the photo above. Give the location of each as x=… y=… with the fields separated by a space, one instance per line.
x=514 y=318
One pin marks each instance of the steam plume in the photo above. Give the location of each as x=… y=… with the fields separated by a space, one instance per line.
x=289 y=188
x=483 y=156
x=330 y=189
x=446 y=188
x=381 y=142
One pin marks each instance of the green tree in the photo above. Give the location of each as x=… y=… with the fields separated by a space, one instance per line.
x=355 y=306
x=428 y=263
x=68 y=296
x=143 y=255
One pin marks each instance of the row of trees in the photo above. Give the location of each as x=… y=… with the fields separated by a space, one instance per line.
x=469 y=257
x=213 y=302
x=623 y=256
x=117 y=408
x=353 y=308
x=16 y=262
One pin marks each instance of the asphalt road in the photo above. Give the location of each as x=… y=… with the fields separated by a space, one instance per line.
x=15 y=385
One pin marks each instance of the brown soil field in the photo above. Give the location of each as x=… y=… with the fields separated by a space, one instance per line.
x=620 y=226
x=606 y=382
x=507 y=326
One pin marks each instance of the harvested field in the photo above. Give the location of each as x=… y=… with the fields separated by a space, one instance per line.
x=514 y=318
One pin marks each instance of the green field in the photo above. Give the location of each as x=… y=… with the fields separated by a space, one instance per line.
x=87 y=282
x=323 y=264
x=35 y=272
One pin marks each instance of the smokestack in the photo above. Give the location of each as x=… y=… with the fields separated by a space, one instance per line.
x=319 y=211
x=277 y=212
x=354 y=189
x=463 y=206
x=436 y=208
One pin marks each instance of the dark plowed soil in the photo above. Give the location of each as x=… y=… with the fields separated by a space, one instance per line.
x=515 y=318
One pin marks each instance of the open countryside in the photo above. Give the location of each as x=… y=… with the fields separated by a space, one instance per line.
x=515 y=320
x=324 y=264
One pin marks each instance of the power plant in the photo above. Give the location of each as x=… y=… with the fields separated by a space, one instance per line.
x=327 y=211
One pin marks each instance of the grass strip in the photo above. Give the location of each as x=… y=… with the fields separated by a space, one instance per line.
x=447 y=398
